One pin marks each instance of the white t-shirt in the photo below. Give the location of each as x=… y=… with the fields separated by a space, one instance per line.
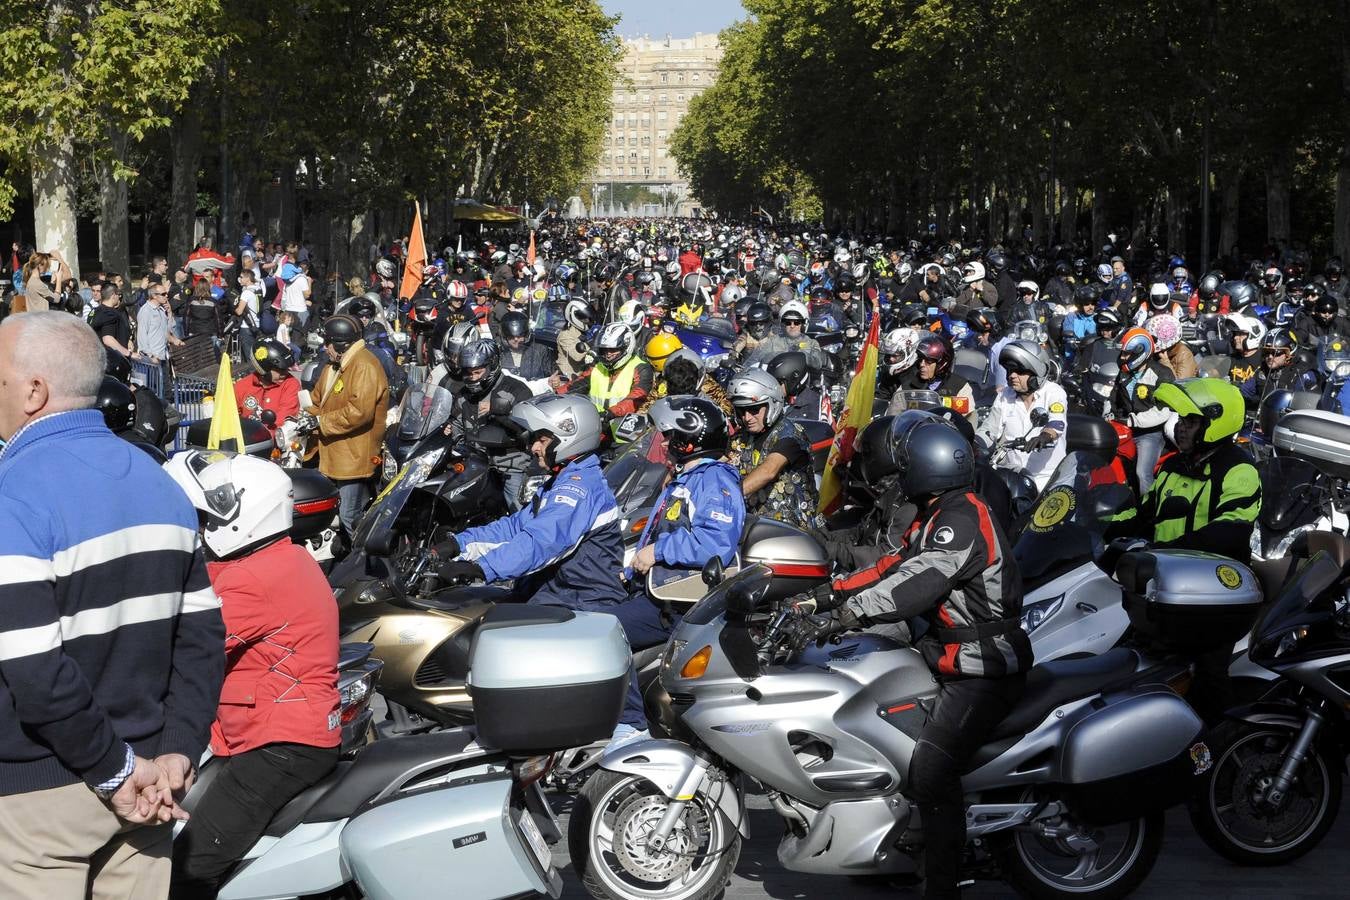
x=252 y=306
x=293 y=297
x=1010 y=418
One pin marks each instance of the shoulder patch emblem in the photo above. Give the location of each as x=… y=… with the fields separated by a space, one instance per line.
x=944 y=535
x=1057 y=407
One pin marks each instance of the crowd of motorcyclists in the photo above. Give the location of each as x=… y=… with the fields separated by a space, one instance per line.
x=737 y=345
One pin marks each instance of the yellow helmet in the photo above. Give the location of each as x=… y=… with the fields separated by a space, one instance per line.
x=659 y=349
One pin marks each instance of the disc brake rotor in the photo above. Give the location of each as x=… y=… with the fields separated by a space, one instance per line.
x=634 y=823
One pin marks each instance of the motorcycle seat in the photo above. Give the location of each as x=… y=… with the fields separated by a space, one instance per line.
x=1054 y=683
x=352 y=784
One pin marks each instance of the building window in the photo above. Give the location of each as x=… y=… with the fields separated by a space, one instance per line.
x=661 y=153
x=661 y=171
x=604 y=173
x=660 y=115
x=661 y=135
x=679 y=98
x=632 y=116
x=632 y=170
x=632 y=136
x=665 y=98
x=679 y=78
x=646 y=141
x=618 y=141
x=663 y=77
x=694 y=78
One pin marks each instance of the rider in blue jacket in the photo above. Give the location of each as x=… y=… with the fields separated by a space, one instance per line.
x=699 y=515
x=565 y=548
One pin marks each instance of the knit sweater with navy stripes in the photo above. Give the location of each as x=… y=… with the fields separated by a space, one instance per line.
x=110 y=634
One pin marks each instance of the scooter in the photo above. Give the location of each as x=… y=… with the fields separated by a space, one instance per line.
x=1067 y=796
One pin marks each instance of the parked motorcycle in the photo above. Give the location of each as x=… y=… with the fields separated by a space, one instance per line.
x=1067 y=796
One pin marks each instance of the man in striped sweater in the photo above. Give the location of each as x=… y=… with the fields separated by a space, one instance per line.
x=111 y=642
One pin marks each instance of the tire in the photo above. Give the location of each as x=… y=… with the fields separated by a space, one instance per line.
x=1023 y=851
x=1226 y=819
x=600 y=868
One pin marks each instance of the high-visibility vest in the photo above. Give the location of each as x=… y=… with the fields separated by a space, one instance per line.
x=606 y=390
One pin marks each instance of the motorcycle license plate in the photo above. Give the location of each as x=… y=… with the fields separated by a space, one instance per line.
x=535 y=839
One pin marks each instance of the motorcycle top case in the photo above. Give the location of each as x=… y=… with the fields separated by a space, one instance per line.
x=546 y=678
x=316 y=503
x=1188 y=601
x=1322 y=438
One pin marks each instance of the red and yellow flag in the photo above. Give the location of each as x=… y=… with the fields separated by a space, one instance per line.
x=415 y=260
x=857 y=413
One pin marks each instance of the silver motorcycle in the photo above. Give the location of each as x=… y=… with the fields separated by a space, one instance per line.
x=1065 y=799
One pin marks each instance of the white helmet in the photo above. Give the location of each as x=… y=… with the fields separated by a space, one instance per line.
x=385 y=268
x=972 y=272
x=578 y=314
x=1031 y=286
x=754 y=387
x=631 y=314
x=842 y=256
x=1251 y=326
x=793 y=306
x=901 y=342
x=573 y=421
x=247 y=502
x=616 y=337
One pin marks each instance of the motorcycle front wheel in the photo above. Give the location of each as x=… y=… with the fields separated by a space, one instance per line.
x=1229 y=814
x=612 y=819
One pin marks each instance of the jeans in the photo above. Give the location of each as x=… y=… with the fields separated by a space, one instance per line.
x=352 y=499
x=246 y=344
x=1148 y=448
x=236 y=809
x=512 y=482
x=962 y=717
x=302 y=317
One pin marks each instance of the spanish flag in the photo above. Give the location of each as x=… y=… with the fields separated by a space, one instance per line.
x=857 y=413
x=226 y=433
x=415 y=260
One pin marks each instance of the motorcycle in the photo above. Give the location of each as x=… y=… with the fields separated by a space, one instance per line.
x=382 y=823
x=1067 y=795
x=1275 y=787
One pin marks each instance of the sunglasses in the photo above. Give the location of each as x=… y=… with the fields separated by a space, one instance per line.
x=1013 y=370
x=1276 y=352
x=798 y=323
x=745 y=411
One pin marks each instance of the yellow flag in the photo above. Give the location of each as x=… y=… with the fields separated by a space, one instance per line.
x=226 y=432
x=857 y=413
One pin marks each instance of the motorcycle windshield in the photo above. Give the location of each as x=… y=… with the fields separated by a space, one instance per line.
x=1065 y=527
x=1289 y=495
x=426 y=407
x=637 y=473
x=904 y=400
x=379 y=519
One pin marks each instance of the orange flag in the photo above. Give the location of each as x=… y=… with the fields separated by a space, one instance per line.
x=529 y=254
x=415 y=259
x=857 y=413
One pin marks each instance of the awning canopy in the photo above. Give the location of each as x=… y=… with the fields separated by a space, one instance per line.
x=474 y=211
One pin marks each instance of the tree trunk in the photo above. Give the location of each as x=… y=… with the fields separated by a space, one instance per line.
x=114 y=251
x=1279 y=185
x=1098 y=216
x=1036 y=200
x=186 y=141
x=288 y=218
x=1176 y=221
x=1068 y=212
x=1230 y=187
x=54 y=200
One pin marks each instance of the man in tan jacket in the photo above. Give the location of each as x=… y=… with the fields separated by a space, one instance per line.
x=349 y=402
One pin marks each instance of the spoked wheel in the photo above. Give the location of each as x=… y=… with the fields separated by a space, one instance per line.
x=612 y=821
x=1063 y=857
x=1232 y=815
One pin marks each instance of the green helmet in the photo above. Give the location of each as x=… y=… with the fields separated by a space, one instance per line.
x=1218 y=401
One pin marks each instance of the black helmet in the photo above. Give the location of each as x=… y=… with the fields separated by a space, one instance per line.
x=1107 y=320
x=482 y=354
x=997 y=260
x=1086 y=295
x=873 y=454
x=118 y=366
x=930 y=456
x=741 y=309
x=791 y=371
x=1279 y=339
x=758 y=320
x=118 y=405
x=272 y=356
x=820 y=293
x=1208 y=287
x=1326 y=306
x=362 y=308
x=937 y=348
x=1062 y=268
x=981 y=321
x=693 y=426
x=341 y=332
x=515 y=324
x=845 y=283
x=1334 y=268
x=1240 y=294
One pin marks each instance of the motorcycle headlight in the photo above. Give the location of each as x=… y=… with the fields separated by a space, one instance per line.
x=713 y=362
x=388 y=466
x=1037 y=614
x=673 y=649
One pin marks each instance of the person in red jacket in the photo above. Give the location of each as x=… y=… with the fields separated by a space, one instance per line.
x=204 y=262
x=690 y=261
x=271 y=386
x=277 y=729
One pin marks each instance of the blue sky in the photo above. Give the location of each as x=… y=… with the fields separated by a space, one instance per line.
x=679 y=19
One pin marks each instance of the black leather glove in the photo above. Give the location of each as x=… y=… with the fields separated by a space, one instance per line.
x=819 y=629
x=307 y=423
x=460 y=571
x=448 y=548
x=1041 y=441
x=819 y=599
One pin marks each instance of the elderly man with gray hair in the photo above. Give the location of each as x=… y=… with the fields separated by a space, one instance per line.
x=111 y=641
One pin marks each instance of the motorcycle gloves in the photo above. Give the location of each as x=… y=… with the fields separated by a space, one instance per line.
x=460 y=571
x=819 y=599
x=1042 y=441
x=819 y=629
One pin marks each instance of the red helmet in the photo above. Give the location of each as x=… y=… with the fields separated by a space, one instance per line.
x=937 y=348
x=457 y=290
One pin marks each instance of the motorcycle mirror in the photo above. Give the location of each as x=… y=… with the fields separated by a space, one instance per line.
x=712 y=572
x=1039 y=417
x=269 y=417
x=741 y=602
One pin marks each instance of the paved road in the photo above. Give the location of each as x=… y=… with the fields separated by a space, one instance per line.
x=1186 y=869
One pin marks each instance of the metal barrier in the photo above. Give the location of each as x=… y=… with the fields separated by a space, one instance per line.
x=189 y=393
x=151 y=376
